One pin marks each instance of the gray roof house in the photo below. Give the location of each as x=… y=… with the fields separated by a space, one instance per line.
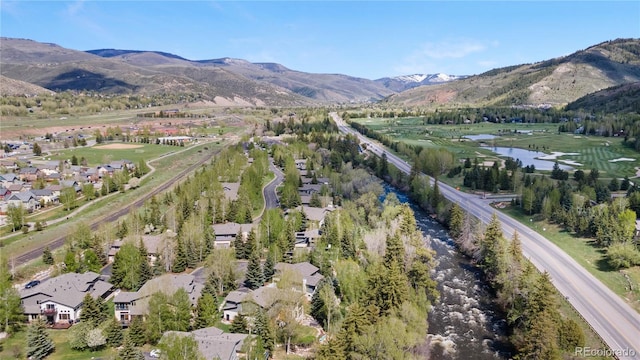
x=60 y=299
x=129 y=304
x=213 y=343
x=309 y=273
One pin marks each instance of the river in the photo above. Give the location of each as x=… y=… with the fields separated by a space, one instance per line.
x=464 y=324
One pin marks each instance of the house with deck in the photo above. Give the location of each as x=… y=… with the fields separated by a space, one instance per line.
x=59 y=300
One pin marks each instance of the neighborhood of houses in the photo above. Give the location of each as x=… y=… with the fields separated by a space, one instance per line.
x=58 y=300
x=40 y=183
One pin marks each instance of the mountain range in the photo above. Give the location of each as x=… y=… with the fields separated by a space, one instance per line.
x=28 y=64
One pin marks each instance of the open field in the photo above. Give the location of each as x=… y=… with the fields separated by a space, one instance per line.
x=101 y=154
x=209 y=120
x=594 y=151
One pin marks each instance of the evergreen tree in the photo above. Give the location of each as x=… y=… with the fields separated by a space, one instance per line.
x=181 y=261
x=355 y=324
x=113 y=332
x=137 y=332
x=206 y=311
x=91 y=313
x=47 y=256
x=146 y=273
x=211 y=286
x=239 y=325
x=39 y=343
x=318 y=307
x=264 y=330
x=239 y=246
x=254 y=274
x=456 y=220
x=129 y=351
x=269 y=268
x=394 y=251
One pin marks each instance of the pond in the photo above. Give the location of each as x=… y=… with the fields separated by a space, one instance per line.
x=528 y=157
x=481 y=137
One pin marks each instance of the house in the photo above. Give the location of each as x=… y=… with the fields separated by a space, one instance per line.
x=154 y=244
x=9 y=164
x=306 y=238
x=213 y=343
x=130 y=304
x=4 y=193
x=227 y=232
x=16 y=187
x=59 y=299
x=309 y=189
x=309 y=273
x=315 y=214
x=8 y=178
x=29 y=173
x=230 y=190
x=25 y=198
x=44 y=196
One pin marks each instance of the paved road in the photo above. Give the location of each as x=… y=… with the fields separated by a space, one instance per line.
x=117 y=213
x=613 y=319
x=270 y=195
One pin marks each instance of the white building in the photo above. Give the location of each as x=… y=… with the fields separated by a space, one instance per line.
x=60 y=299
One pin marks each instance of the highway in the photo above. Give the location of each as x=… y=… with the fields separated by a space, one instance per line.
x=614 y=320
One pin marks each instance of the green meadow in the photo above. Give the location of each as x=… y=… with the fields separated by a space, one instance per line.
x=96 y=155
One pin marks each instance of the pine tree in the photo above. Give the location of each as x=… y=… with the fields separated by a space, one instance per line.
x=318 y=309
x=91 y=313
x=394 y=251
x=254 y=273
x=206 y=311
x=47 y=256
x=239 y=246
x=39 y=343
x=456 y=220
x=180 y=263
x=269 y=268
x=355 y=324
x=129 y=351
x=264 y=330
x=211 y=286
x=146 y=273
x=136 y=334
x=238 y=325
x=113 y=332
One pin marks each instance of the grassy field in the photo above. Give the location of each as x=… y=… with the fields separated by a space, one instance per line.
x=15 y=348
x=593 y=151
x=97 y=155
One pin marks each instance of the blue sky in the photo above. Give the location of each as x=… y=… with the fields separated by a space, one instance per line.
x=369 y=39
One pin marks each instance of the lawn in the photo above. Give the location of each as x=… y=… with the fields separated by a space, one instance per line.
x=97 y=155
x=594 y=152
x=15 y=348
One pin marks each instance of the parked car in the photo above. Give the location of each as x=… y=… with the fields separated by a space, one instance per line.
x=31 y=284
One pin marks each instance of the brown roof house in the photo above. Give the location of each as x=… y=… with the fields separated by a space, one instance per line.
x=60 y=299
x=129 y=304
x=213 y=343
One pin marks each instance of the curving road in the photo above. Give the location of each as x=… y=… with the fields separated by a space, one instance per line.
x=270 y=195
x=614 y=320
